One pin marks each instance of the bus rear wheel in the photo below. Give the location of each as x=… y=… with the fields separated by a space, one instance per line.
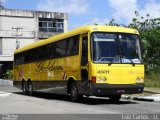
x=30 y=88
x=115 y=98
x=24 y=87
x=75 y=97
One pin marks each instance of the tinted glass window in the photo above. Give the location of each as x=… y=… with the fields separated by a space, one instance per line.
x=61 y=48
x=66 y=47
x=72 y=46
x=115 y=48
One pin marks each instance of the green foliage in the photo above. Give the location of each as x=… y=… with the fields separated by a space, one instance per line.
x=113 y=23
x=8 y=74
x=152 y=80
x=150 y=33
x=152 y=50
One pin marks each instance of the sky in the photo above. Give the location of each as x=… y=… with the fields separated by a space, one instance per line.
x=88 y=12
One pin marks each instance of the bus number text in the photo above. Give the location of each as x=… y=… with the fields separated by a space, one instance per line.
x=103 y=71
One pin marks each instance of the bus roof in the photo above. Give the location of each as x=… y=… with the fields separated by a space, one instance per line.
x=77 y=31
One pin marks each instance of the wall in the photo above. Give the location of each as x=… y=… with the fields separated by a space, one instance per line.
x=26 y=23
x=26 y=35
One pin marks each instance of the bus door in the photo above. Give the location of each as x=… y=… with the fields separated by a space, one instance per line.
x=84 y=64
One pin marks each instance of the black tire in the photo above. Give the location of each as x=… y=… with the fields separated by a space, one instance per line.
x=24 y=88
x=29 y=88
x=115 y=98
x=75 y=97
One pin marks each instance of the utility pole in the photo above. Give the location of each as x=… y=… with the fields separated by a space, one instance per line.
x=17 y=36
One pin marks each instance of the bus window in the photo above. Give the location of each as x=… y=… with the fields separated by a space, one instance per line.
x=61 y=48
x=72 y=46
x=84 y=59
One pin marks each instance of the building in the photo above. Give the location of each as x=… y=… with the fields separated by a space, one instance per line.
x=22 y=27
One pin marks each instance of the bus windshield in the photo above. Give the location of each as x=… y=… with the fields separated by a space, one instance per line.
x=115 y=48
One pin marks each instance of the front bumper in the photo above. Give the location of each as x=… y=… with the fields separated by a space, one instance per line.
x=112 y=89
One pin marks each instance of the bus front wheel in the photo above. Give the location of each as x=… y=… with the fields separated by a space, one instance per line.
x=74 y=93
x=115 y=98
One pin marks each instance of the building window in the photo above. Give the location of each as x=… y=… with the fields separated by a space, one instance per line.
x=51 y=25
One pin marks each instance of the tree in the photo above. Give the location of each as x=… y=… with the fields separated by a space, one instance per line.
x=150 y=34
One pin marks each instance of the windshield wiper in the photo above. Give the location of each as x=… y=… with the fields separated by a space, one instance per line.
x=110 y=63
x=133 y=64
x=106 y=61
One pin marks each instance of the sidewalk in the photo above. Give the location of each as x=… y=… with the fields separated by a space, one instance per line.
x=4 y=82
x=149 y=94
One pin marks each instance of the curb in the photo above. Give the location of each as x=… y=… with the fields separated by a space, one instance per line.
x=143 y=99
x=137 y=98
x=6 y=82
x=151 y=92
x=151 y=98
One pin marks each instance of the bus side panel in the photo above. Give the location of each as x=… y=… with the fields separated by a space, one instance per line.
x=17 y=76
x=50 y=75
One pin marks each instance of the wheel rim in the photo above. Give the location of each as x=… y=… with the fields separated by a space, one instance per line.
x=30 y=88
x=74 y=91
x=24 y=87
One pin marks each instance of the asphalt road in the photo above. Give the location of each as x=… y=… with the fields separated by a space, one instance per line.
x=42 y=106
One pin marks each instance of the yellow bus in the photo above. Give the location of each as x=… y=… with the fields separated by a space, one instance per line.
x=87 y=61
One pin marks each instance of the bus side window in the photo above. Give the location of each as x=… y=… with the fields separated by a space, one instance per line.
x=84 y=59
x=72 y=46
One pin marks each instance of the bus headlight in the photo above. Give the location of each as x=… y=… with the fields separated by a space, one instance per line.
x=140 y=79
x=104 y=79
x=101 y=79
x=98 y=79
